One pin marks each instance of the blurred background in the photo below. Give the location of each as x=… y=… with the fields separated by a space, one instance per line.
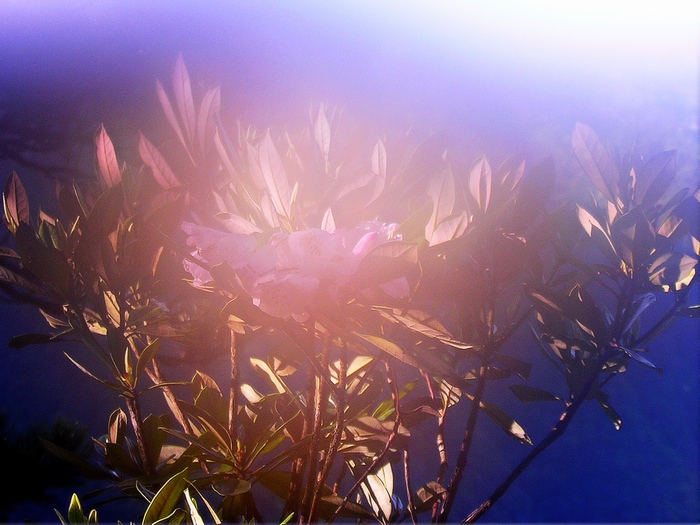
x=499 y=78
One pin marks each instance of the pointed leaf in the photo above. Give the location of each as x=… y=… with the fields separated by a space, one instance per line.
x=529 y=394
x=107 y=158
x=152 y=158
x=602 y=399
x=15 y=202
x=442 y=193
x=655 y=178
x=166 y=498
x=480 y=183
x=595 y=161
x=206 y=121
x=275 y=176
x=183 y=98
x=322 y=133
x=503 y=420
x=170 y=113
x=146 y=357
x=598 y=234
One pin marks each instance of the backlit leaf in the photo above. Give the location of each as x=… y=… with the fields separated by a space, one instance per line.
x=107 y=158
x=480 y=183
x=170 y=113
x=15 y=203
x=156 y=162
x=598 y=234
x=166 y=498
x=672 y=269
x=503 y=420
x=183 y=97
x=442 y=193
x=595 y=161
x=322 y=133
x=275 y=176
x=206 y=120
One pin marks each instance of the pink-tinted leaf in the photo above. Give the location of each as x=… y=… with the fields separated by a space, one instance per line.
x=480 y=183
x=107 y=158
x=206 y=121
x=379 y=160
x=509 y=173
x=223 y=154
x=328 y=221
x=275 y=176
x=237 y=224
x=183 y=98
x=159 y=167
x=322 y=133
x=595 y=161
x=170 y=113
x=15 y=202
x=450 y=228
x=442 y=193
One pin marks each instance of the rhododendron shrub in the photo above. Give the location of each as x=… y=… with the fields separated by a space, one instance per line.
x=359 y=296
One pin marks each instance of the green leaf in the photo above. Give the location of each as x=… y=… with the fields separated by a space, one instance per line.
x=165 y=500
x=145 y=358
x=75 y=512
x=529 y=394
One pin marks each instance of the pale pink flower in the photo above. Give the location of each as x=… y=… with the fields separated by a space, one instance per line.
x=285 y=275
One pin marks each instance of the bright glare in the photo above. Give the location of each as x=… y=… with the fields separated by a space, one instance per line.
x=649 y=39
